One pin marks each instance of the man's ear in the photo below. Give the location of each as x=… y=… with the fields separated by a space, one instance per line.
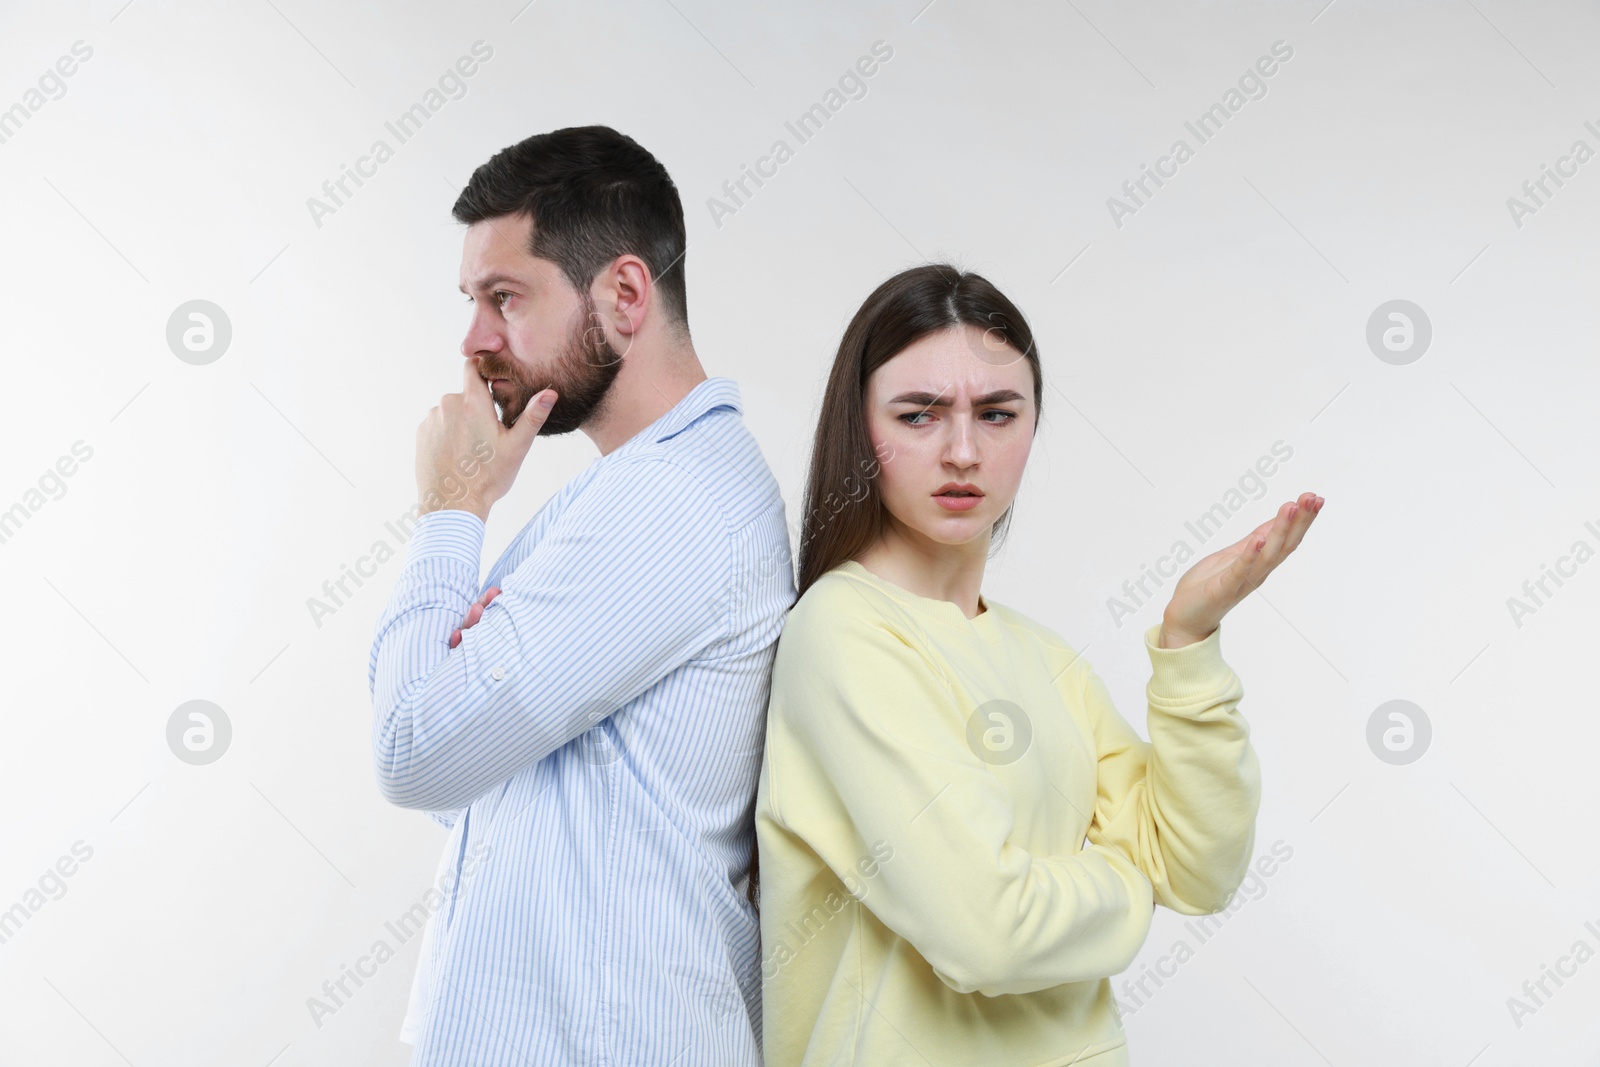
x=627 y=293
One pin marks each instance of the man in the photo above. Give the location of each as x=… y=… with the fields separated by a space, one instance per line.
x=588 y=721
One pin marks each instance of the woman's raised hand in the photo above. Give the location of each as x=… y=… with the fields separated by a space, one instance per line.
x=1210 y=589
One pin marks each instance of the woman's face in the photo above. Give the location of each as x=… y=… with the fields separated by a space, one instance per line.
x=955 y=407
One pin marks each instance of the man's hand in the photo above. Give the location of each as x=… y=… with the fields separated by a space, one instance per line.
x=465 y=458
x=474 y=613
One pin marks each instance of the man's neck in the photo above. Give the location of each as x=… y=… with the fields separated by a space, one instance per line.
x=645 y=390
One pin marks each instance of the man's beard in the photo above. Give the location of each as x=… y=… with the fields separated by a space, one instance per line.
x=581 y=377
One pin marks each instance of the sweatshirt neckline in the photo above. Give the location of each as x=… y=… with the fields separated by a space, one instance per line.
x=931 y=605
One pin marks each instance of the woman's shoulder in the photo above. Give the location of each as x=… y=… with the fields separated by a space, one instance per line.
x=840 y=642
x=843 y=606
x=1057 y=650
x=1025 y=625
x=835 y=605
x=848 y=617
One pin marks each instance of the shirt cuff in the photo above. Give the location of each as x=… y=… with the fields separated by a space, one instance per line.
x=448 y=533
x=1179 y=674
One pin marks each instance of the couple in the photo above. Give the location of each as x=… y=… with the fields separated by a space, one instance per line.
x=959 y=838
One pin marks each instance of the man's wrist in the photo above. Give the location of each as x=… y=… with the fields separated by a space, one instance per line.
x=451 y=533
x=433 y=501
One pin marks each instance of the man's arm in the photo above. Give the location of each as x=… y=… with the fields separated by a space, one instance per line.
x=629 y=583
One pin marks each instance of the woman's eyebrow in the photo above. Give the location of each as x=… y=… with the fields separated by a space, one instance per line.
x=1000 y=396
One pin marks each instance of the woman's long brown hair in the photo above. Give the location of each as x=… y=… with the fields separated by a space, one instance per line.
x=843 y=512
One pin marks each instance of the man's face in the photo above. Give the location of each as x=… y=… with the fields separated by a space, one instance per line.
x=531 y=330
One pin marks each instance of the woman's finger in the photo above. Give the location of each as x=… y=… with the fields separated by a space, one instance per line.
x=1262 y=560
x=1284 y=537
x=1272 y=554
x=1309 y=510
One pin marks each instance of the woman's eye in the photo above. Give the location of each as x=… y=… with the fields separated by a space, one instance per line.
x=1005 y=417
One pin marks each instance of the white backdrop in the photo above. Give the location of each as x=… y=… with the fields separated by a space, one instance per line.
x=1185 y=334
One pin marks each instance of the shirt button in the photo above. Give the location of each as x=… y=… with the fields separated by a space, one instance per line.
x=498 y=673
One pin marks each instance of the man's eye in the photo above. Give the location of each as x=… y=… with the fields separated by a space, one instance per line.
x=498 y=293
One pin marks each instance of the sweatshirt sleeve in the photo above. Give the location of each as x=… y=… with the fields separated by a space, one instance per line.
x=874 y=760
x=1181 y=806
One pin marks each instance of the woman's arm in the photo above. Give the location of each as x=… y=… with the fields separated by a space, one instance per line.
x=1182 y=806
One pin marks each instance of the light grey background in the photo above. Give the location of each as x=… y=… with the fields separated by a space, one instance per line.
x=1229 y=312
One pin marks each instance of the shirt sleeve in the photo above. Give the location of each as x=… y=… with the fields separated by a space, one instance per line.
x=876 y=758
x=627 y=584
x=1183 y=805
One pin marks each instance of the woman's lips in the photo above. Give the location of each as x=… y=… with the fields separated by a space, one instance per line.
x=951 y=502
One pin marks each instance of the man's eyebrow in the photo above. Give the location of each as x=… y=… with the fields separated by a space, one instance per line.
x=929 y=400
x=493 y=280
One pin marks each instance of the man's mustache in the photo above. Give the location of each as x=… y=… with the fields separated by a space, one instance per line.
x=489 y=373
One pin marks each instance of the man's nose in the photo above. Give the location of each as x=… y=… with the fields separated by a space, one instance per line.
x=480 y=338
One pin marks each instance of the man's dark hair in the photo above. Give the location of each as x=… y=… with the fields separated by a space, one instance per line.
x=594 y=194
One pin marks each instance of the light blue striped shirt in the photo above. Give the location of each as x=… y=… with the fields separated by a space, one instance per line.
x=594 y=745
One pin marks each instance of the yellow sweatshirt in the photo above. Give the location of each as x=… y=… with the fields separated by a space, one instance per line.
x=927 y=895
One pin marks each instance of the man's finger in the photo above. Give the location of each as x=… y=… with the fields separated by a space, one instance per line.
x=472 y=383
x=474 y=614
x=533 y=416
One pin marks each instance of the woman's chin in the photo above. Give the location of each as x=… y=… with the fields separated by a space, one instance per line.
x=954 y=530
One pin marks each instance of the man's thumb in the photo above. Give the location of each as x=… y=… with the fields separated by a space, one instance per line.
x=534 y=414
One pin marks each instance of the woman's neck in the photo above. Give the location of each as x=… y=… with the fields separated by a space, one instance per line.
x=939 y=572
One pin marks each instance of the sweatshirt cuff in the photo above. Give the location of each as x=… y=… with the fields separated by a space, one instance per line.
x=449 y=533
x=1179 y=674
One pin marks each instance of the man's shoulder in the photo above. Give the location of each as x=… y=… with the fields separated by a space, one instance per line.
x=646 y=491
x=716 y=458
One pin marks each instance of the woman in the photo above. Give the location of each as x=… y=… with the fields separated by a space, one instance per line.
x=935 y=760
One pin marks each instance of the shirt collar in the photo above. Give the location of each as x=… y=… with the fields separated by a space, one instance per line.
x=709 y=395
